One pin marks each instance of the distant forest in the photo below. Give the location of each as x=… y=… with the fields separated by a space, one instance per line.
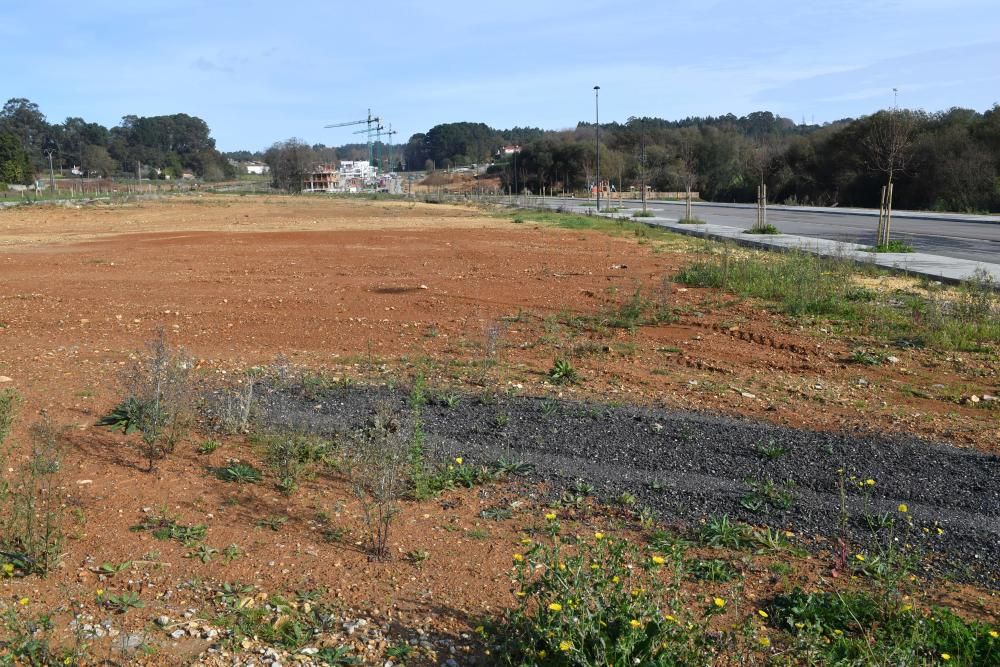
x=158 y=146
x=948 y=160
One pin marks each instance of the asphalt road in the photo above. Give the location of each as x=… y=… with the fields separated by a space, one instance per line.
x=974 y=237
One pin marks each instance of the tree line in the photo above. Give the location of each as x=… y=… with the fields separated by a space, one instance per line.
x=948 y=160
x=155 y=146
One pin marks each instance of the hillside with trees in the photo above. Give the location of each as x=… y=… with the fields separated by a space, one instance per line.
x=948 y=160
x=161 y=146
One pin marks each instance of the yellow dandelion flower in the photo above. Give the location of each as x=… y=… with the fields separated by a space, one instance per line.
x=555 y=606
x=799 y=626
x=658 y=560
x=940 y=532
x=551 y=516
x=562 y=566
x=765 y=642
x=838 y=632
x=669 y=617
x=719 y=602
x=762 y=613
x=903 y=508
x=860 y=557
x=993 y=633
x=946 y=657
x=458 y=460
x=518 y=557
x=615 y=579
x=521 y=594
x=869 y=482
x=8 y=568
x=598 y=536
x=23 y=601
x=907 y=607
x=525 y=541
x=100 y=592
x=635 y=624
x=542 y=654
x=565 y=646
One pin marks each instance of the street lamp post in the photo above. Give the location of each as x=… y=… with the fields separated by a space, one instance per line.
x=597 y=142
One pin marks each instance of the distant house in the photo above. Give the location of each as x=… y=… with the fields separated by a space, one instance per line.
x=187 y=176
x=508 y=150
x=258 y=168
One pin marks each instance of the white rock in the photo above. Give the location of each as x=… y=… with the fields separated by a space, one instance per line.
x=747 y=394
x=4 y=378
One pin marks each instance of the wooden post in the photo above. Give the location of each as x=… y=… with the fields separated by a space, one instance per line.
x=888 y=214
x=763 y=206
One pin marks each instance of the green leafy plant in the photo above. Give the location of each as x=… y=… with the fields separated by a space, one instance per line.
x=166 y=527
x=120 y=604
x=238 y=472
x=563 y=372
x=208 y=446
x=600 y=603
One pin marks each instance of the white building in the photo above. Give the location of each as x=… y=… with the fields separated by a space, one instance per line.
x=258 y=168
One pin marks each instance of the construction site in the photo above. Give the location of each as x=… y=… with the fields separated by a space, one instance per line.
x=353 y=176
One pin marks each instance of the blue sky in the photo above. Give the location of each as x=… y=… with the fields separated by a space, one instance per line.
x=259 y=72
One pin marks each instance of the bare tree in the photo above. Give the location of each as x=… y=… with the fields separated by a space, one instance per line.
x=687 y=166
x=760 y=161
x=890 y=146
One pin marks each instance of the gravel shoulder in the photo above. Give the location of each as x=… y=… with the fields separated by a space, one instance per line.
x=690 y=466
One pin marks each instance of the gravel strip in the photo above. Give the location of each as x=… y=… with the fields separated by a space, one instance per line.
x=689 y=466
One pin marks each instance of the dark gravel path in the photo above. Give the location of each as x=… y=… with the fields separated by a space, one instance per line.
x=706 y=465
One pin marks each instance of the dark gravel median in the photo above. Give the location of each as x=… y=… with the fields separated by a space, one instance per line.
x=690 y=466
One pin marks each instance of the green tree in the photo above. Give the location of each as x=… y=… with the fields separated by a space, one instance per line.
x=15 y=165
x=290 y=162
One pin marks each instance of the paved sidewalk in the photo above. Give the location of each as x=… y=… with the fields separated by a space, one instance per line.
x=946 y=269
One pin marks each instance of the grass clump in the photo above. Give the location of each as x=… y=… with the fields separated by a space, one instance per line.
x=894 y=245
x=861 y=628
x=803 y=285
x=691 y=221
x=293 y=456
x=762 y=229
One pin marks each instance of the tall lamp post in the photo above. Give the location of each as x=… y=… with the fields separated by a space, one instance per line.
x=597 y=142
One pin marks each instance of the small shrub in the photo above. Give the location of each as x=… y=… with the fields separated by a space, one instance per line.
x=236 y=405
x=377 y=470
x=600 y=604
x=690 y=221
x=291 y=456
x=159 y=399
x=32 y=534
x=643 y=214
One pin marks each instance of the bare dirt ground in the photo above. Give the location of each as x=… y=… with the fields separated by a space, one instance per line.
x=379 y=290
